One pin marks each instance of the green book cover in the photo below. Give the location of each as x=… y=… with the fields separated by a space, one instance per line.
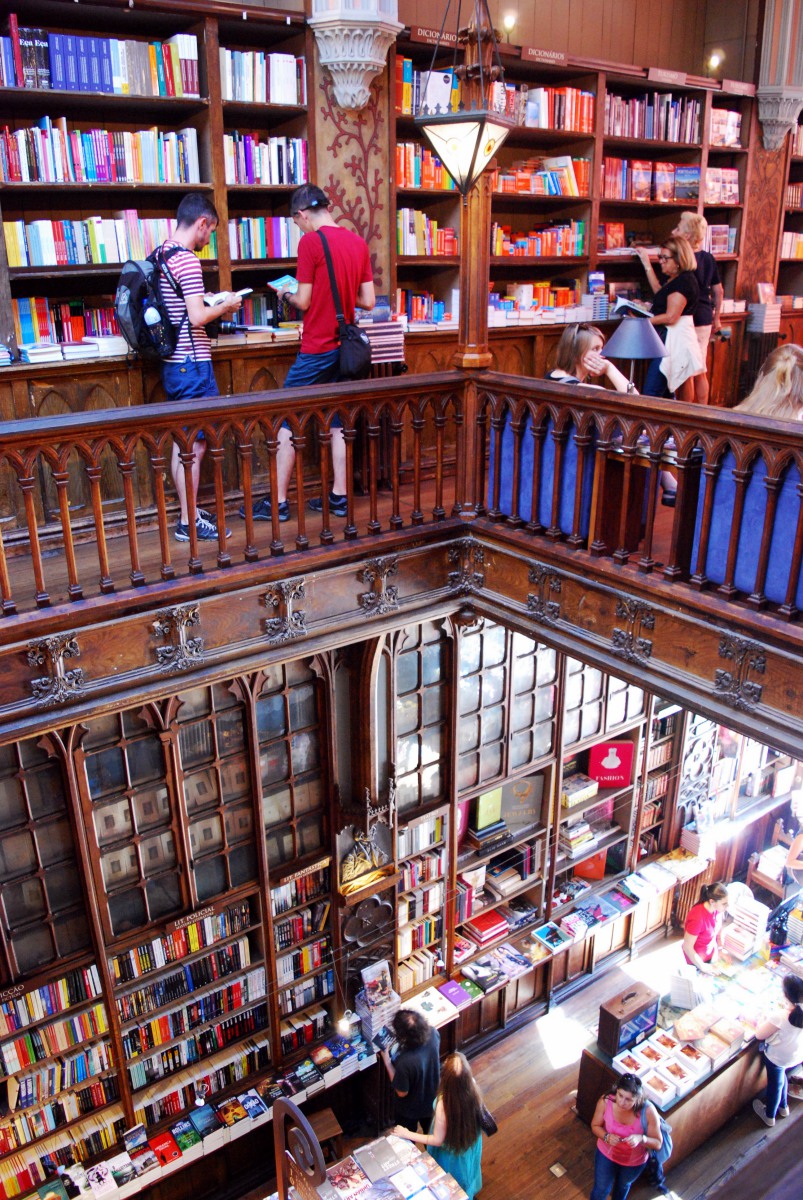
x=489 y=808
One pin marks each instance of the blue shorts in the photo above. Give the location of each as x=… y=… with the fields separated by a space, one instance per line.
x=315 y=368
x=189 y=380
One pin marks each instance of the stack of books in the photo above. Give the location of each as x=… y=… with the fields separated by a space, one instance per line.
x=577 y=788
x=576 y=838
x=746 y=932
x=490 y=838
x=387 y=340
x=486 y=927
x=37 y=352
x=503 y=881
x=485 y=973
x=794 y=929
x=764 y=318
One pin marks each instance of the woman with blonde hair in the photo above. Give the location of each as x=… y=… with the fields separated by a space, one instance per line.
x=778 y=390
x=693 y=226
x=455 y=1139
x=673 y=308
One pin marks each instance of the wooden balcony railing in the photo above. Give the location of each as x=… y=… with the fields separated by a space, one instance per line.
x=87 y=506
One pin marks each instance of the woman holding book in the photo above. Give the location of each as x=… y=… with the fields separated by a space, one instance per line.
x=673 y=308
x=693 y=226
x=579 y=359
x=455 y=1138
x=623 y=1147
x=782 y=1035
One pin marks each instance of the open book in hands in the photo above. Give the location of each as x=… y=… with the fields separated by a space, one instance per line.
x=285 y=283
x=213 y=298
x=623 y=305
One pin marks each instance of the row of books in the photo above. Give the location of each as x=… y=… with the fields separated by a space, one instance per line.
x=656 y=116
x=416 y=89
x=545 y=294
x=721 y=185
x=299 y=1029
x=791 y=244
x=419 y=234
x=19 y=1128
x=278 y=161
x=93 y=240
x=263 y=237
x=305 y=922
x=170 y=1097
x=303 y=960
x=558 y=176
x=417 y=968
x=418 y=901
x=425 y=869
x=52 y=152
x=420 y=306
x=635 y=179
x=88 y=1138
x=725 y=127
x=49 y=999
x=564 y=239
x=34 y=58
x=412 y=839
x=66 y=1071
x=46 y=1041
x=189 y=977
x=312 y=885
x=418 y=167
x=187 y=938
x=142 y=1071
x=205 y=1008
x=318 y=987
x=419 y=934
x=256 y=77
x=794 y=195
x=567 y=108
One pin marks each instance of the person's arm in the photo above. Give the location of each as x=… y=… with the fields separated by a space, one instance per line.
x=652 y=278
x=652 y=1139
x=691 y=954
x=767 y=1029
x=366 y=296
x=389 y=1067
x=598 y=1124
x=301 y=298
x=597 y=365
x=675 y=305
x=717 y=295
x=436 y=1138
x=200 y=313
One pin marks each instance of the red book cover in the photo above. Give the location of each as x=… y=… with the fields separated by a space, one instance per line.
x=165 y=1147
x=611 y=763
x=167 y=60
x=14 y=34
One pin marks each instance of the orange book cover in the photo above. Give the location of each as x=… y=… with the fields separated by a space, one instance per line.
x=664 y=181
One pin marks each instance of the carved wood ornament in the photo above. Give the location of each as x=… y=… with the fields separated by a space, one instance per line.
x=288 y=624
x=376 y=603
x=183 y=652
x=548 y=583
x=59 y=685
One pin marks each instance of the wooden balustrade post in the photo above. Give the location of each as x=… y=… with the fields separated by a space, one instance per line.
x=105 y=582
x=299 y=443
x=127 y=469
x=396 y=429
x=349 y=438
x=374 y=430
x=74 y=589
x=26 y=485
x=467 y=451
x=9 y=607
x=217 y=455
x=417 y=515
x=159 y=467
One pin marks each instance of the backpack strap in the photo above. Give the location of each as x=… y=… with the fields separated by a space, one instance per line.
x=160 y=258
x=341 y=320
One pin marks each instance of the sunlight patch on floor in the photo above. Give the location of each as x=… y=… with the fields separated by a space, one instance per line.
x=656 y=966
x=563 y=1038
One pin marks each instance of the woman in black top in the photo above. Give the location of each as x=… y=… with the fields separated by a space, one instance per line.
x=693 y=227
x=673 y=306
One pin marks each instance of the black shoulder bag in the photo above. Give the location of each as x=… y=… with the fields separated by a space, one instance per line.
x=355 y=347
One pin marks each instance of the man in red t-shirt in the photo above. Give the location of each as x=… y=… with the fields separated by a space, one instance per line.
x=317 y=361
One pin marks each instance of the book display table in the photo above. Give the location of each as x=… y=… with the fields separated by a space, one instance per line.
x=721 y=1068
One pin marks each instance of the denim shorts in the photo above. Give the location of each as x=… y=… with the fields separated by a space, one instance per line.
x=315 y=368
x=189 y=380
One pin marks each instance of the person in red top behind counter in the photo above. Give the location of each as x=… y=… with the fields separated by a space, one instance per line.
x=701 y=933
x=320 y=345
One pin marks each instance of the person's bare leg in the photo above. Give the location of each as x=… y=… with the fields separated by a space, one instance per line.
x=701 y=388
x=338 y=462
x=285 y=461
x=685 y=393
x=180 y=479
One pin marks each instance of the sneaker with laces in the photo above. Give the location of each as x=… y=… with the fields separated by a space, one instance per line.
x=205 y=531
x=760 y=1110
x=338 y=505
x=262 y=510
x=783 y=1112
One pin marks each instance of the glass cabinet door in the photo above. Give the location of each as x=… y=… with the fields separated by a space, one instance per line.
x=420 y=715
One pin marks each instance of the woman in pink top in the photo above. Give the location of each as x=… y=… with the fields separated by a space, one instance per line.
x=703 y=927
x=622 y=1146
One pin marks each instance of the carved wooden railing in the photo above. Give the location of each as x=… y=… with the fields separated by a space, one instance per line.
x=90 y=509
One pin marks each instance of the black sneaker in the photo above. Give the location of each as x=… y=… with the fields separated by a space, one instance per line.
x=338 y=505
x=205 y=531
x=263 y=512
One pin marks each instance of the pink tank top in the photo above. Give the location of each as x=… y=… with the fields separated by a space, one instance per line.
x=625 y=1156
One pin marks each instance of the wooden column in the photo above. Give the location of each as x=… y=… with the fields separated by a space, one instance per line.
x=475 y=265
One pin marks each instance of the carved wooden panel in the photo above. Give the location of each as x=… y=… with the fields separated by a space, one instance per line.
x=762 y=216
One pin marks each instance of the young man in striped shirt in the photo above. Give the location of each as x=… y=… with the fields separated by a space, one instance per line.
x=188 y=374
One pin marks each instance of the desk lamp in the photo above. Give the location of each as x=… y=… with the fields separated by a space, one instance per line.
x=635 y=338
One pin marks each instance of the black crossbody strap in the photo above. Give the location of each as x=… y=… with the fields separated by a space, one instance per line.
x=341 y=320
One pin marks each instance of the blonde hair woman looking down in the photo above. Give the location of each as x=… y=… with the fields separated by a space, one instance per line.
x=778 y=390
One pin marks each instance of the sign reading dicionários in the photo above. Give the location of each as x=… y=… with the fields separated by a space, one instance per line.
x=536 y=54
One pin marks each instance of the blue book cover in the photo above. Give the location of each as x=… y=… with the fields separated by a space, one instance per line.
x=94 y=64
x=105 y=61
x=58 y=76
x=71 y=80
x=82 y=50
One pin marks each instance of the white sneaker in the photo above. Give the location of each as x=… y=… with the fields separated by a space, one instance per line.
x=782 y=1112
x=760 y=1110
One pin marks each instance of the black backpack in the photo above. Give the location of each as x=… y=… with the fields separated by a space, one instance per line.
x=140 y=310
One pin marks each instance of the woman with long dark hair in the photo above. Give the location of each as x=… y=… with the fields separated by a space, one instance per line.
x=782 y=1035
x=455 y=1139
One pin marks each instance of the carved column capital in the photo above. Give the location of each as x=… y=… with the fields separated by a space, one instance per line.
x=59 y=685
x=288 y=624
x=467 y=555
x=183 y=652
x=778 y=111
x=376 y=603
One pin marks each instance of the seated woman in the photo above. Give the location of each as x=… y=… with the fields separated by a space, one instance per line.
x=579 y=359
x=673 y=307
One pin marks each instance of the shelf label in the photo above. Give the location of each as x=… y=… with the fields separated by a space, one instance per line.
x=738 y=87
x=200 y=915
x=660 y=75
x=12 y=993
x=537 y=54
x=430 y=37
x=317 y=866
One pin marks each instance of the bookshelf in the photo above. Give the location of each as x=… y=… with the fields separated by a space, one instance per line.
x=206 y=103
x=422 y=843
x=790 y=263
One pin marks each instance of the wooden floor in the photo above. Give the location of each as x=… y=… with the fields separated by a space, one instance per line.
x=529 y=1081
